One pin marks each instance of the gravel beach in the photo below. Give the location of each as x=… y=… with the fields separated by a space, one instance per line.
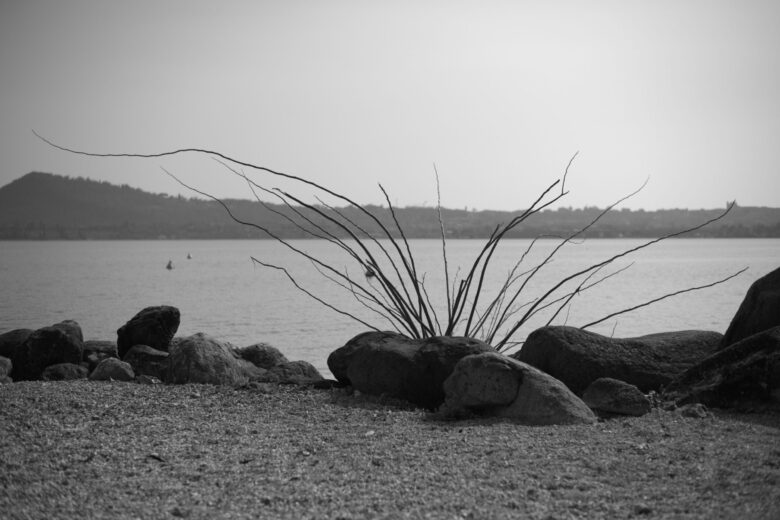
x=122 y=450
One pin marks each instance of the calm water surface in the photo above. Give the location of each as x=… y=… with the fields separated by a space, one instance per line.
x=220 y=291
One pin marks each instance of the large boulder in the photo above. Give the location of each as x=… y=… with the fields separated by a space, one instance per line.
x=498 y=386
x=745 y=372
x=613 y=397
x=147 y=361
x=64 y=372
x=112 y=369
x=389 y=363
x=262 y=355
x=202 y=359
x=60 y=343
x=10 y=340
x=152 y=326
x=759 y=311
x=578 y=357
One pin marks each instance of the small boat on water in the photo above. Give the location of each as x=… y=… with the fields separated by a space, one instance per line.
x=170 y=265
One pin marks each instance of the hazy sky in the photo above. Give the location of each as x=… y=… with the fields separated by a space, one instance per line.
x=351 y=93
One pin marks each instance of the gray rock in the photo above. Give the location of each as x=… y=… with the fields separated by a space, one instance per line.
x=202 y=359
x=262 y=355
x=10 y=340
x=147 y=361
x=64 y=372
x=616 y=397
x=152 y=326
x=759 y=311
x=744 y=372
x=296 y=372
x=577 y=357
x=389 y=363
x=694 y=411
x=60 y=343
x=498 y=386
x=112 y=369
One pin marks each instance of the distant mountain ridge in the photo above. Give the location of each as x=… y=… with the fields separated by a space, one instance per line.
x=47 y=206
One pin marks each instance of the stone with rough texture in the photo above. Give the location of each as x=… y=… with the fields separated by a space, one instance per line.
x=152 y=326
x=759 y=311
x=746 y=371
x=112 y=369
x=262 y=355
x=60 y=343
x=202 y=359
x=147 y=361
x=389 y=363
x=64 y=372
x=296 y=372
x=96 y=351
x=494 y=385
x=12 y=339
x=578 y=357
x=613 y=396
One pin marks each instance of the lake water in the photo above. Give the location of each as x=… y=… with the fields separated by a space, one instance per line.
x=221 y=292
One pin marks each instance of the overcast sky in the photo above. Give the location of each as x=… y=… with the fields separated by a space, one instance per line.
x=499 y=95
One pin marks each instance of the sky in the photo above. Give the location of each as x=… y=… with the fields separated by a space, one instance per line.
x=498 y=95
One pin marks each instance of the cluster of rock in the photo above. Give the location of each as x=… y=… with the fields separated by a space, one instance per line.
x=145 y=351
x=564 y=375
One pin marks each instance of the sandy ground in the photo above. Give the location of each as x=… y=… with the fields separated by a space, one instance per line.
x=121 y=450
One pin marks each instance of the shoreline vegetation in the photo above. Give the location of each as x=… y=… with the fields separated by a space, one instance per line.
x=42 y=206
x=91 y=449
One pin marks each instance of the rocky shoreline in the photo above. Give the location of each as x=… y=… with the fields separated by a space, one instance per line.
x=632 y=427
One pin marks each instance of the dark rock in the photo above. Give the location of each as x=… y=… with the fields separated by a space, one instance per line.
x=759 y=311
x=70 y=328
x=498 y=386
x=12 y=339
x=746 y=371
x=296 y=372
x=578 y=357
x=262 y=355
x=64 y=372
x=112 y=369
x=59 y=343
x=389 y=363
x=340 y=359
x=202 y=359
x=96 y=351
x=612 y=396
x=147 y=361
x=153 y=326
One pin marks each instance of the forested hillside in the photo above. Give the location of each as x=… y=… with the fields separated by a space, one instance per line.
x=46 y=206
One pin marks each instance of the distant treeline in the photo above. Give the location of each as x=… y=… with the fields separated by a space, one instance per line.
x=42 y=206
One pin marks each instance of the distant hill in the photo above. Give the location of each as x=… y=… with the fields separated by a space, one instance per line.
x=46 y=206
